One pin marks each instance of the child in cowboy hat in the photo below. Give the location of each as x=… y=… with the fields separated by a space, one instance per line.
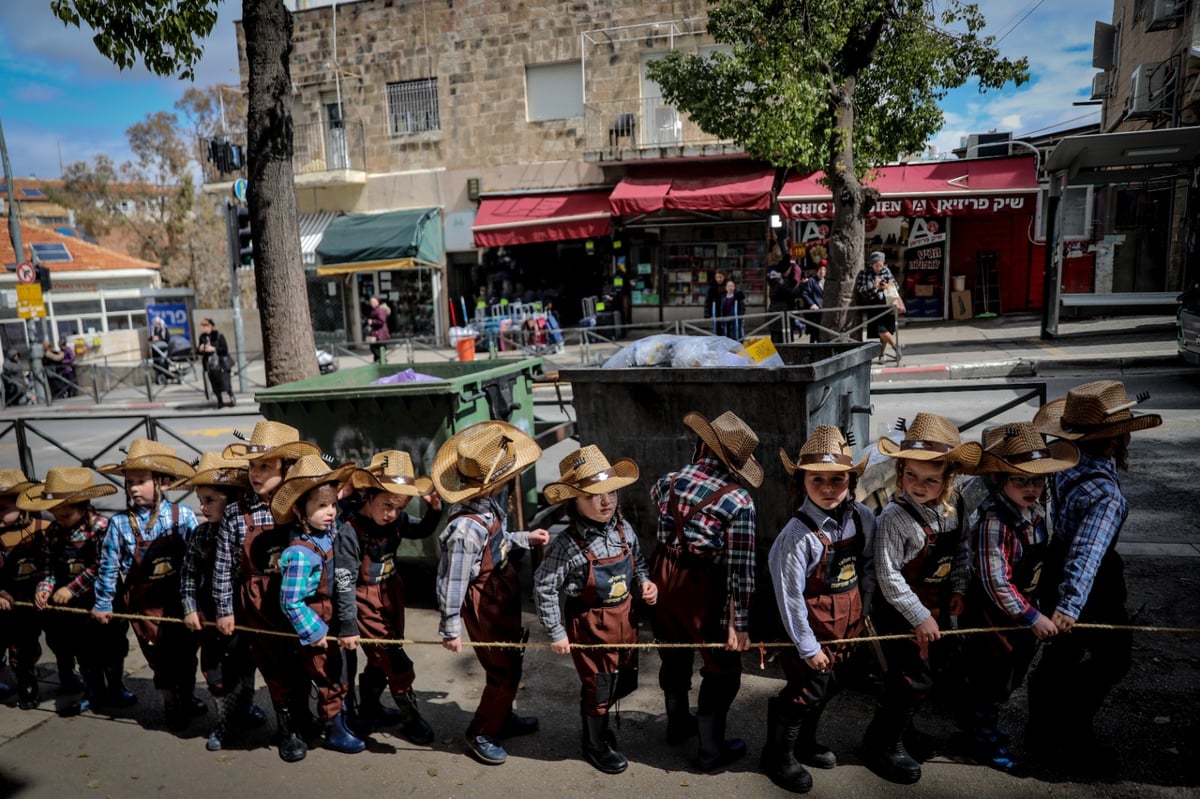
x=224 y=660
x=1009 y=546
x=22 y=567
x=597 y=565
x=823 y=572
x=704 y=568
x=247 y=553
x=922 y=565
x=370 y=592
x=307 y=500
x=73 y=541
x=142 y=553
x=1077 y=671
x=477 y=587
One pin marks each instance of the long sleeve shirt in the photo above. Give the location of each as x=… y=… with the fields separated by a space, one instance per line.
x=724 y=529
x=462 y=544
x=865 y=292
x=997 y=548
x=899 y=539
x=301 y=569
x=1089 y=517
x=195 y=575
x=564 y=569
x=116 y=551
x=91 y=526
x=229 y=547
x=794 y=557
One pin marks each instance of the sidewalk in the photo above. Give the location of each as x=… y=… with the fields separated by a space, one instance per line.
x=1007 y=346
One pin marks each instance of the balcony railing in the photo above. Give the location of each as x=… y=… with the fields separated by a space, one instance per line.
x=319 y=150
x=643 y=128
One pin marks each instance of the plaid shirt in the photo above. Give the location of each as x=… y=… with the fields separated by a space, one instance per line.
x=1090 y=517
x=724 y=529
x=899 y=539
x=116 y=550
x=195 y=575
x=93 y=525
x=997 y=548
x=229 y=547
x=302 y=570
x=564 y=569
x=463 y=543
x=865 y=292
x=794 y=556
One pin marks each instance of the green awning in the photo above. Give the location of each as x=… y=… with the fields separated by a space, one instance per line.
x=391 y=240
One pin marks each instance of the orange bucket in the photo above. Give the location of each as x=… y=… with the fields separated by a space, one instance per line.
x=466 y=348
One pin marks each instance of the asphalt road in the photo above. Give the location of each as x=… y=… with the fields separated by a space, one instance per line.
x=1151 y=716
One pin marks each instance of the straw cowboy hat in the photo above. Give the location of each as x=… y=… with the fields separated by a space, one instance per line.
x=1092 y=411
x=586 y=472
x=932 y=438
x=214 y=469
x=1021 y=449
x=308 y=473
x=145 y=455
x=392 y=471
x=732 y=441
x=480 y=457
x=65 y=485
x=14 y=481
x=825 y=451
x=271 y=440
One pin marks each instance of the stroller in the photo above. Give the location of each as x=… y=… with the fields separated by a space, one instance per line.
x=172 y=359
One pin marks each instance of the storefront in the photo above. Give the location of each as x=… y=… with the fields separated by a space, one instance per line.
x=945 y=227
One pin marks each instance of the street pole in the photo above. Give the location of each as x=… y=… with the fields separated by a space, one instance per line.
x=231 y=240
x=14 y=232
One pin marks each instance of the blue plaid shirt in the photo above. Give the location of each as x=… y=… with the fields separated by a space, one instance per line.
x=116 y=550
x=1089 y=518
x=229 y=547
x=725 y=528
x=302 y=569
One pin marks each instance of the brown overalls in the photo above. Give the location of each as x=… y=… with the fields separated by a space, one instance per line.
x=323 y=666
x=603 y=614
x=22 y=566
x=492 y=612
x=379 y=593
x=259 y=583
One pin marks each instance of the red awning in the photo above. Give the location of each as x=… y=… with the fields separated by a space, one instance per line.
x=704 y=187
x=532 y=218
x=938 y=188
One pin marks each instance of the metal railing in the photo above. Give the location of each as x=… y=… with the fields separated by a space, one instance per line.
x=317 y=147
x=639 y=124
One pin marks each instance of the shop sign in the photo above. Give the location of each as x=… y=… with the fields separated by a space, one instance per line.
x=922 y=206
x=924 y=267
x=174 y=314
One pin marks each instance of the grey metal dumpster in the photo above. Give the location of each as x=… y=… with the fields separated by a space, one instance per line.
x=637 y=413
x=351 y=419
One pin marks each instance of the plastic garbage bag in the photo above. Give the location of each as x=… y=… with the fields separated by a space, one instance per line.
x=649 y=351
x=407 y=376
x=710 y=351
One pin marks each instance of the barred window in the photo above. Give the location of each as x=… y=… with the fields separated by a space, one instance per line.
x=413 y=106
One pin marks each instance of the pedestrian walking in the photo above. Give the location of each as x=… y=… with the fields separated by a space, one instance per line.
x=704 y=568
x=822 y=569
x=23 y=560
x=477 y=586
x=377 y=328
x=873 y=286
x=216 y=361
x=596 y=564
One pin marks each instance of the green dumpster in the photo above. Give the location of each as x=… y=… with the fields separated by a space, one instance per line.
x=638 y=413
x=351 y=419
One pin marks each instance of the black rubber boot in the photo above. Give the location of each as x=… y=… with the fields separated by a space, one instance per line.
x=681 y=724
x=117 y=694
x=779 y=755
x=68 y=680
x=808 y=750
x=304 y=723
x=6 y=688
x=28 y=696
x=883 y=746
x=412 y=726
x=599 y=746
x=292 y=747
x=93 y=686
x=173 y=711
x=371 y=712
x=715 y=751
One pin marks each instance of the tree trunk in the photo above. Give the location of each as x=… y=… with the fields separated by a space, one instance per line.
x=851 y=202
x=287 y=333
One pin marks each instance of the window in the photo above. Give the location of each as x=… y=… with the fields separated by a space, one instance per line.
x=413 y=106
x=1075 y=211
x=127 y=206
x=51 y=253
x=553 y=91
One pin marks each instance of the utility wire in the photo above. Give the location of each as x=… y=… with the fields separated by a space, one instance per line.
x=1019 y=21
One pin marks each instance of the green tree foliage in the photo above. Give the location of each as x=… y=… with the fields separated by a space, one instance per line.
x=835 y=85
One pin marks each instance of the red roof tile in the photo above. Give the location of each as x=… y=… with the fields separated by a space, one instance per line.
x=87 y=256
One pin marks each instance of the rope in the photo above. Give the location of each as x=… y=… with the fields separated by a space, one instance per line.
x=1137 y=628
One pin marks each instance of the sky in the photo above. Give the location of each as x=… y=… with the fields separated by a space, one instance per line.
x=61 y=101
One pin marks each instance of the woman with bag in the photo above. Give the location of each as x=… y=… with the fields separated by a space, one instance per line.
x=217 y=361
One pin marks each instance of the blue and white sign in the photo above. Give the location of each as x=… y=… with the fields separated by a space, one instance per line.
x=174 y=314
x=239 y=189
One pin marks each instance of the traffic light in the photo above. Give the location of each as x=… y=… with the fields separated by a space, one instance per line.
x=42 y=274
x=244 y=238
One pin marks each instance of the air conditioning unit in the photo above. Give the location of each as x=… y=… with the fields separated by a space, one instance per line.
x=1100 y=88
x=1146 y=88
x=1164 y=14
